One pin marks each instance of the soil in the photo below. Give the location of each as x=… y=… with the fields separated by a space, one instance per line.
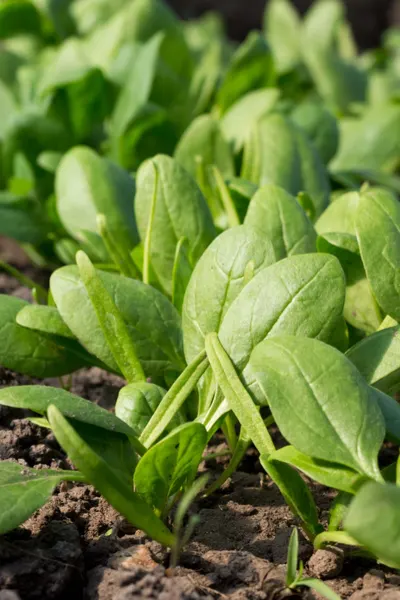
x=77 y=546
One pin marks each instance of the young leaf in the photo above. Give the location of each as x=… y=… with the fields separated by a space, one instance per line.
x=251 y=68
x=319 y=124
x=38 y=399
x=282 y=26
x=108 y=481
x=31 y=352
x=45 y=319
x=377 y=357
x=217 y=280
x=292 y=558
x=299 y=378
x=114 y=328
x=180 y=211
x=378 y=211
x=88 y=185
x=244 y=115
x=327 y=473
x=152 y=321
x=24 y=490
x=170 y=465
x=136 y=404
x=373 y=519
x=320 y=587
x=300 y=295
x=277 y=215
x=181 y=274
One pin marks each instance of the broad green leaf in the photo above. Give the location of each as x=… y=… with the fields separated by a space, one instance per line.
x=136 y=90
x=390 y=410
x=378 y=234
x=202 y=146
x=45 y=319
x=277 y=151
x=30 y=352
x=282 y=26
x=110 y=484
x=180 y=211
x=251 y=69
x=218 y=278
x=377 y=357
x=152 y=321
x=136 y=404
x=277 y=215
x=319 y=125
x=369 y=142
x=373 y=520
x=321 y=403
x=300 y=295
x=170 y=465
x=339 y=216
x=295 y=491
x=88 y=185
x=327 y=473
x=203 y=140
x=19 y=17
x=245 y=113
x=24 y=490
x=337 y=78
x=22 y=218
x=271 y=155
x=38 y=399
x=30 y=133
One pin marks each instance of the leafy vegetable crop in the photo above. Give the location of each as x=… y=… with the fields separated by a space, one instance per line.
x=223 y=228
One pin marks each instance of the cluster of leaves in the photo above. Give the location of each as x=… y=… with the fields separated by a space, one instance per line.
x=230 y=227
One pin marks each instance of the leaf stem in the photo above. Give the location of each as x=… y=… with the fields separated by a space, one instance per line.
x=149 y=231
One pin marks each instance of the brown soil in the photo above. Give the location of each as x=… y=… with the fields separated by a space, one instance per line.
x=78 y=547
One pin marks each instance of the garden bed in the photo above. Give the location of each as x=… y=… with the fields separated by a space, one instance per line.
x=77 y=546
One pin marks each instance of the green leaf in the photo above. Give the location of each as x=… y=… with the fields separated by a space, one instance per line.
x=282 y=26
x=300 y=295
x=112 y=324
x=88 y=185
x=24 y=490
x=390 y=410
x=181 y=274
x=251 y=68
x=180 y=211
x=378 y=234
x=336 y=423
x=373 y=520
x=136 y=404
x=30 y=352
x=38 y=399
x=45 y=319
x=22 y=218
x=337 y=78
x=217 y=280
x=245 y=113
x=319 y=125
x=277 y=215
x=292 y=557
x=153 y=323
x=110 y=484
x=170 y=465
x=19 y=17
x=369 y=142
x=377 y=357
x=327 y=473
x=339 y=216
x=320 y=587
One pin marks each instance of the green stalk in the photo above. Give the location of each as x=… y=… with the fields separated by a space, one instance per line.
x=41 y=292
x=174 y=399
x=118 y=253
x=111 y=322
x=238 y=398
x=149 y=231
x=229 y=206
